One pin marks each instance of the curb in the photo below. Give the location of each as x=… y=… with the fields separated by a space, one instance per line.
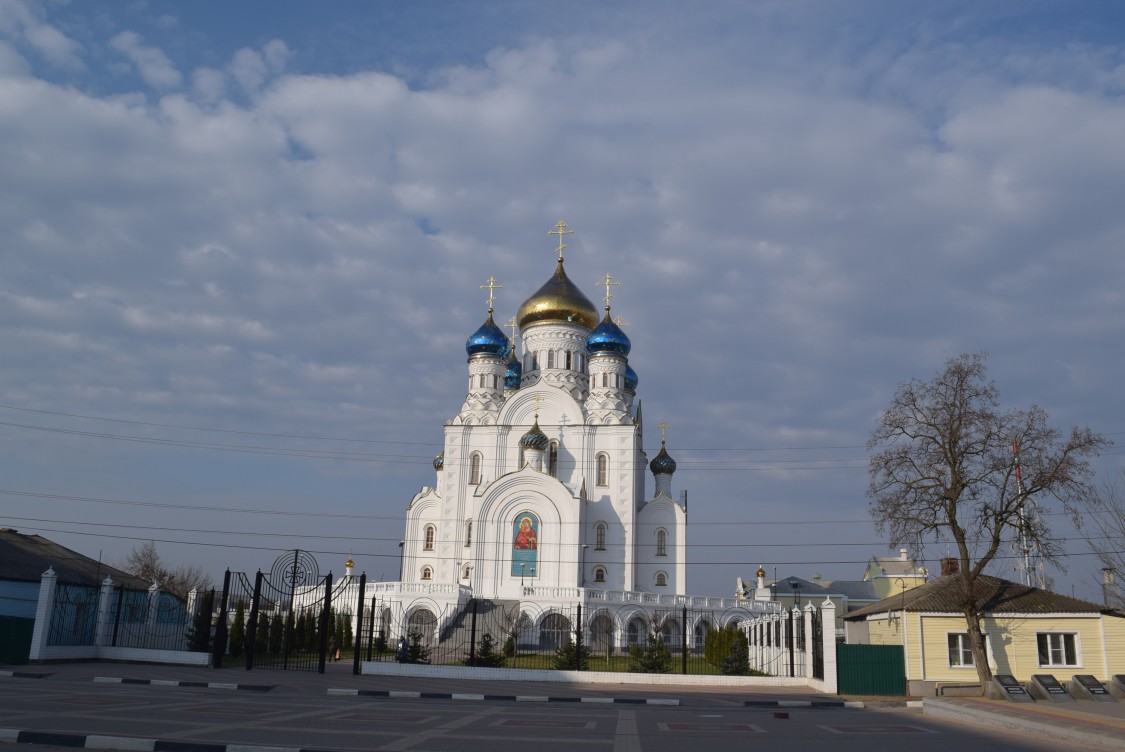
x=131 y=743
x=495 y=698
x=23 y=675
x=173 y=683
x=1051 y=728
x=801 y=704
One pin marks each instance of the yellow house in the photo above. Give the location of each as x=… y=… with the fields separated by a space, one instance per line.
x=1028 y=631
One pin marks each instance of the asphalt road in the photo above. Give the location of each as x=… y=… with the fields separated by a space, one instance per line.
x=314 y=719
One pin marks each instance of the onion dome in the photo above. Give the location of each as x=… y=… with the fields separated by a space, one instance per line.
x=439 y=462
x=662 y=464
x=349 y=564
x=608 y=338
x=514 y=372
x=761 y=571
x=488 y=340
x=535 y=438
x=631 y=379
x=558 y=300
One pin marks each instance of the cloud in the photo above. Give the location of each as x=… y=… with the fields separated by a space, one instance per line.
x=20 y=22
x=152 y=64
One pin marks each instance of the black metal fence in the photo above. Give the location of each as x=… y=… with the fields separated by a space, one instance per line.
x=74 y=617
x=146 y=619
x=505 y=634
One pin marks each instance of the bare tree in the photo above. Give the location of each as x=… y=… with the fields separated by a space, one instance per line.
x=1108 y=518
x=944 y=469
x=144 y=561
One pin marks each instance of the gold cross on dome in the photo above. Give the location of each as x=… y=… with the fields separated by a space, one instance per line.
x=491 y=285
x=663 y=429
x=513 y=326
x=621 y=322
x=560 y=230
x=608 y=283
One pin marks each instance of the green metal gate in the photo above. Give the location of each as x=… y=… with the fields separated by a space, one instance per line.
x=870 y=670
x=15 y=639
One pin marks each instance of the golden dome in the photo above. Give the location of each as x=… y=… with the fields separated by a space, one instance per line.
x=761 y=572
x=558 y=300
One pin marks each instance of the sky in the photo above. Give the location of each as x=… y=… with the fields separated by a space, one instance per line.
x=241 y=249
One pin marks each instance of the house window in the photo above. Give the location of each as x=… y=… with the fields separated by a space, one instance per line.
x=661 y=579
x=960 y=654
x=427 y=573
x=468 y=533
x=603 y=470
x=431 y=533
x=661 y=543
x=599 y=574
x=474 y=469
x=599 y=537
x=553 y=459
x=1057 y=648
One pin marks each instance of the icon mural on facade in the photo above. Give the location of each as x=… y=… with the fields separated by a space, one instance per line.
x=525 y=545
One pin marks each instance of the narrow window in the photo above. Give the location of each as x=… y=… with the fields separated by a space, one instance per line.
x=468 y=533
x=431 y=533
x=553 y=459
x=550 y=358
x=599 y=537
x=427 y=573
x=474 y=469
x=960 y=654
x=567 y=360
x=465 y=572
x=599 y=574
x=603 y=470
x=661 y=579
x=605 y=379
x=661 y=543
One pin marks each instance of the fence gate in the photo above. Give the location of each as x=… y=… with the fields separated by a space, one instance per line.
x=870 y=670
x=286 y=615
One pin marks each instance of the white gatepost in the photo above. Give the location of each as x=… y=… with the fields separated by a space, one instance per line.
x=794 y=630
x=808 y=657
x=44 y=609
x=153 y=605
x=103 y=627
x=828 y=637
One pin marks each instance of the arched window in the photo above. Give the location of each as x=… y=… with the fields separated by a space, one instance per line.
x=550 y=358
x=661 y=579
x=465 y=572
x=603 y=469
x=599 y=536
x=661 y=543
x=599 y=574
x=427 y=573
x=553 y=459
x=474 y=469
x=566 y=360
x=431 y=534
x=468 y=533
x=605 y=379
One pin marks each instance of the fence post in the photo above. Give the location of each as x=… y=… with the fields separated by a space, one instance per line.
x=117 y=614
x=683 y=641
x=252 y=628
x=473 y=635
x=324 y=613
x=828 y=634
x=809 y=647
x=102 y=632
x=44 y=611
x=371 y=629
x=219 y=647
x=578 y=655
x=359 y=624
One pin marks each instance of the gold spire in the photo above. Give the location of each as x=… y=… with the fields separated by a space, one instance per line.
x=608 y=283
x=560 y=230
x=491 y=285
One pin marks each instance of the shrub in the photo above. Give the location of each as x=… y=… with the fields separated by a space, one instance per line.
x=653 y=658
x=238 y=631
x=717 y=643
x=486 y=655
x=570 y=657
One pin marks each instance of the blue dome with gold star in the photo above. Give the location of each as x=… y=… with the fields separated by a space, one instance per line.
x=488 y=340
x=608 y=338
x=631 y=379
x=439 y=462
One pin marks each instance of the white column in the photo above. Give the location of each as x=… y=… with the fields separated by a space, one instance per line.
x=44 y=610
x=103 y=627
x=808 y=657
x=828 y=633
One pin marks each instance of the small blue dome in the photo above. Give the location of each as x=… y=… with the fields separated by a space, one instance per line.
x=439 y=462
x=488 y=340
x=608 y=338
x=535 y=438
x=662 y=464
x=631 y=379
x=514 y=373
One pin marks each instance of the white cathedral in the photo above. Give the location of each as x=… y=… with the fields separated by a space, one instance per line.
x=539 y=501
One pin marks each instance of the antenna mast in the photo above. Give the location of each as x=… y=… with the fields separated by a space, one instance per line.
x=1028 y=548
